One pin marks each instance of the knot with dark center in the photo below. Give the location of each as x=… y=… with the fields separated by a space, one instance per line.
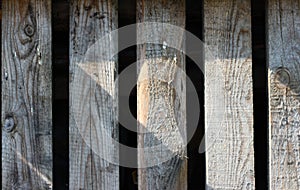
x=29 y=30
x=9 y=124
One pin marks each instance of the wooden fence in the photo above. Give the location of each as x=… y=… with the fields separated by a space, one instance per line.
x=34 y=87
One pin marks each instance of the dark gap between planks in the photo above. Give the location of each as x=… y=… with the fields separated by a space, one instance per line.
x=60 y=81
x=260 y=93
x=196 y=161
x=127 y=16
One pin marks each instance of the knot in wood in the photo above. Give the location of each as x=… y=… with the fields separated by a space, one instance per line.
x=9 y=124
x=29 y=30
x=282 y=78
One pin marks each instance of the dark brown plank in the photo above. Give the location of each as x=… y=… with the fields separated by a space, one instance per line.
x=26 y=95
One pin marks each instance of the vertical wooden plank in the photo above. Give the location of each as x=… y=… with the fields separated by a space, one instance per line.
x=228 y=94
x=26 y=95
x=161 y=97
x=93 y=106
x=284 y=91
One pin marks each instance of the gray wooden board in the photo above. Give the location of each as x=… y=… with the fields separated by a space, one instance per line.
x=26 y=95
x=93 y=103
x=283 y=40
x=228 y=95
x=161 y=98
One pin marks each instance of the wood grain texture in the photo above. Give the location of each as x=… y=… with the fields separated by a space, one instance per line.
x=26 y=95
x=228 y=95
x=161 y=97
x=284 y=93
x=93 y=105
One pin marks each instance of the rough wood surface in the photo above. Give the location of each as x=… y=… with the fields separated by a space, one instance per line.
x=228 y=95
x=93 y=105
x=26 y=95
x=284 y=93
x=161 y=98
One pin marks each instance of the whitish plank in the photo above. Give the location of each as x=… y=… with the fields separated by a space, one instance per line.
x=161 y=97
x=26 y=95
x=228 y=95
x=284 y=93
x=93 y=108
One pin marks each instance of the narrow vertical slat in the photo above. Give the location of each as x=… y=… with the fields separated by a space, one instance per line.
x=161 y=97
x=93 y=95
x=26 y=95
x=228 y=94
x=284 y=93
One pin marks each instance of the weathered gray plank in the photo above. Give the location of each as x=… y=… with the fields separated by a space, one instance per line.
x=228 y=94
x=26 y=95
x=161 y=97
x=284 y=92
x=93 y=105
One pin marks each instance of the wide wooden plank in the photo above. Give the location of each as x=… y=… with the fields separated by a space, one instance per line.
x=161 y=97
x=228 y=95
x=93 y=105
x=284 y=93
x=26 y=95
